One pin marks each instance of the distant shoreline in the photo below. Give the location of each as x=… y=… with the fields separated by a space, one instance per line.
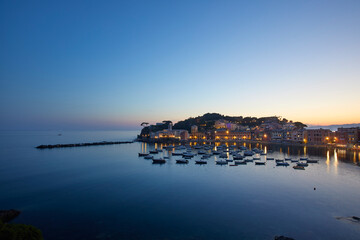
x=171 y=141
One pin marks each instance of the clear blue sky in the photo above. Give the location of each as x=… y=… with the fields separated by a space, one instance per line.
x=114 y=64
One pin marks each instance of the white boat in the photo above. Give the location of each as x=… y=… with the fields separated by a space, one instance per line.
x=183 y=161
x=303 y=158
x=177 y=153
x=223 y=155
x=143 y=154
x=282 y=164
x=221 y=162
x=302 y=164
x=259 y=163
x=200 y=161
x=248 y=153
x=239 y=162
x=159 y=160
x=312 y=161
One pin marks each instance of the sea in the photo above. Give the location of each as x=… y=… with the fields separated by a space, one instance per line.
x=108 y=192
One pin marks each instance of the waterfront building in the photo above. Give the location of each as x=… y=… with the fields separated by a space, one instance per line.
x=348 y=135
x=297 y=136
x=194 y=129
x=317 y=136
x=227 y=135
x=220 y=124
x=277 y=135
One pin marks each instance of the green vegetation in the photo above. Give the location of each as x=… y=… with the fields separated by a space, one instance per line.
x=11 y=231
x=207 y=121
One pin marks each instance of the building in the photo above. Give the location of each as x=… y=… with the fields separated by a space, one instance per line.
x=225 y=134
x=297 y=136
x=194 y=129
x=317 y=136
x=220 y=123
x=169 y=133
x=348 y=135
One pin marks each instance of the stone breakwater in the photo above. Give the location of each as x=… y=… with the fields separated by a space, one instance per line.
x=81 y=144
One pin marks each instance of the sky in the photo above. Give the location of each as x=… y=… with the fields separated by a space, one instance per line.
x=114 y=64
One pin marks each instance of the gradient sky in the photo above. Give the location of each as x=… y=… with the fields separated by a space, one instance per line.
x=114 y=64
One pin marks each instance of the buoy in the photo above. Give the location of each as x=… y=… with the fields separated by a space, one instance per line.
x=314 y=188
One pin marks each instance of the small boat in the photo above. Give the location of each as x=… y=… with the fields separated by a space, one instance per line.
x=279 y=160
x=177 y=153
x=299 y=167
x=294 y=160
x=188 y=155
x=200 y=162
x=229 y=160
x=312 y=161
x=270 y=158
x=248 y=153
x=259 y=163
x=143 y=154
x=249 y=160
x=216 y=152
x=223 y=155
x=282 y=164
x=238 y=157
x=159 y=160
x=287 y=159
x=183 y=161
x=221 y=162
x=153 y=152
x=240 y=162
x=263 y=154
x=303 y=164
x=149 y=157
x=256 y=158
x=201 y=152
x=166 y=157
x=303 y=158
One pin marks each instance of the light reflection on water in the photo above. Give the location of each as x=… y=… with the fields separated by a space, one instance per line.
x=108 y=192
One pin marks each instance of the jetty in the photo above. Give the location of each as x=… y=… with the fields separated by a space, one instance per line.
x=81 y=144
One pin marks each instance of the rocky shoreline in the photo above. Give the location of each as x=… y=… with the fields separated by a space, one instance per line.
x=81 y=144
x=11 y=231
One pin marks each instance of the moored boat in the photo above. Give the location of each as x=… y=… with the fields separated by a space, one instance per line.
x=312 y=161
x=159 y=160
x=183 y=161
x=259 y=163
x=200 y=162
x=299 y=167
x=282 y=164
x=240 y=162
x=143 y=154
x=303 y=164
x=221 y=162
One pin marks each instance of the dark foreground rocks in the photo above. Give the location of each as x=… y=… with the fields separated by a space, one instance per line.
x=282 y=238
x=81 y=144
x=12 y=231
x=8 y=215
x=353 y=219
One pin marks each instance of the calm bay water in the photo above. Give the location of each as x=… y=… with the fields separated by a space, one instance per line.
x=108 y=192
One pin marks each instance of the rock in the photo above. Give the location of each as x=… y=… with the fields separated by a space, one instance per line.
x=282 y=238
x=8 y=215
